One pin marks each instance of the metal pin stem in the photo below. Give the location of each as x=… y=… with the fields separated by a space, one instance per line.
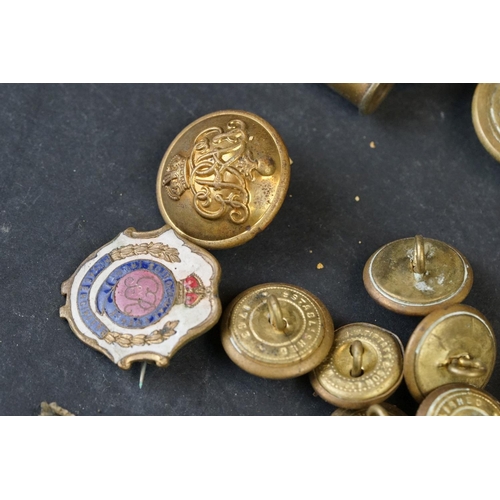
x=418 y=261
x=143 y=373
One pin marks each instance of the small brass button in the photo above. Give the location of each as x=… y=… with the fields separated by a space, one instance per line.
x=277 y=331
x=459 y=400
x=378 y=410
x=451 y=345
x=366 y=96
x=486 y=117
x=363 y=367
x=223 y=179
x=416 y=276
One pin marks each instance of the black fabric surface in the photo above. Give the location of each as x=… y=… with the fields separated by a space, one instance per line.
x=78 y=165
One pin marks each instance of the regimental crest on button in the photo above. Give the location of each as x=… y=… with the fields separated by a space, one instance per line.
x=143 y=296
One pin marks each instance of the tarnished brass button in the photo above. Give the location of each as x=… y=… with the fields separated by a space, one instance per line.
x=223 y=179
x=452 y=345
x=486 y=117
x=142 y=296
x=416 y=276
x=364 y=367
x=378 y=410
x=366 y=96
x=459 y=400
x=277 y=331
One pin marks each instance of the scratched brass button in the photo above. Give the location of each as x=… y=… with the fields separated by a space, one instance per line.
x=223 y=179
x=366 y=96
x=378 y=410
x=364 y=367
x=416 y=276
x=486 y=117
x=455 y=344
x=459 y=400
x=277 y=331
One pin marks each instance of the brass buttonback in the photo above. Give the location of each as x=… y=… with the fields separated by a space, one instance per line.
x=415 y=276
x=277 y=331
x=223 y=179
x=451 y=345
x=378 y=410
x=486 y=117
x=364 y=367
x=459 y=400
x=366 y=96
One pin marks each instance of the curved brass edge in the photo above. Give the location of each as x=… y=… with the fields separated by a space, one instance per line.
x=158 y=359
x=285 y=371
x=278 y=200
x=416 y=310
x=418 y=336
x=374 y=96
x=481 y=127
x=131 y=232
x=126 y=362
x=342 y=403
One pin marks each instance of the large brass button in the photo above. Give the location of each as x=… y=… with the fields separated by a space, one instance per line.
x=459 y=400
x=366 y=96
x=277 y=331
x=223 y=179
x=377 y=410
x=416 y=276
x=364 y=367
x=452 y=345
x=486 y=116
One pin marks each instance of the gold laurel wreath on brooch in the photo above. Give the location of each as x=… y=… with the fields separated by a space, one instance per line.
x=158 y=250
x=129 y=340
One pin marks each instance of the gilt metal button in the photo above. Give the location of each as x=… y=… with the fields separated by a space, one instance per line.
x=142 y=296
x=486 y=117
x=459 y=400
x=277 y=331
x=416 y=276
x=366 y=96
x=451 y=345
x=363 y=367
x=223 y=179
x=378 y=410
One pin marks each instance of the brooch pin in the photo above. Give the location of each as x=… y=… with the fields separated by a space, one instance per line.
x=143 y=296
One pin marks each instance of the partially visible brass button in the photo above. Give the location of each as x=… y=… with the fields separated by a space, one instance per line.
x=459 y=400
x=364 y=367
x=416 y=276
x=366 y=96
x=486 y=117
x=223 y=179
x=277 y=331
x=378 y=410
x=451 y=345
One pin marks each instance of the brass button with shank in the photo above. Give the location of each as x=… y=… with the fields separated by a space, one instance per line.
x=277 y=331
x=223 y=179
x=415 y=276
x=364 y=367
x=486 y=117
x=377 y=410
x=459 y=400
x=455 y=344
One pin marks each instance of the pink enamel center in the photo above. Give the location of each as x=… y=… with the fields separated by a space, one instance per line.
x=138 y=293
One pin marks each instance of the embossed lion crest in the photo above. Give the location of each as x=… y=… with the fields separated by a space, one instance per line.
x=217 y=171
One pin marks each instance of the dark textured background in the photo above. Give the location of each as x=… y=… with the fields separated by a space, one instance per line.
x=78 y=164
